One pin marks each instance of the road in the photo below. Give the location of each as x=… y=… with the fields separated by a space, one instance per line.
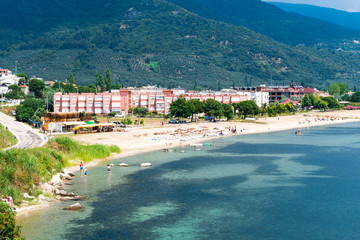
x=27 y=136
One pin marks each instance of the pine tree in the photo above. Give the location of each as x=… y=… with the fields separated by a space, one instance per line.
x=108 y=80
x=102 y=83
x=96 y=79
x=72 y=78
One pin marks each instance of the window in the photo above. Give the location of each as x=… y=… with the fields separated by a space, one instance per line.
x=90 y=98
x=82 y=98
x=107 y=98
x=107 y=105
x=74 y=104
x=116 y=104
x=98 y=104
x=57 y=104
x=58 y=98
x=65 y=98
x=82 y=104
x=116 y=98
x=152 y=97
x=144 y=97
x=144 y=102
x=98 y=110
x=136 y=97
x=90 y=104
x=160 y=97
x=98 y=98
x=74 y=98
x=66 y=104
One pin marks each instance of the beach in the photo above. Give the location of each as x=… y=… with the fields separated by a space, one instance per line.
x=156 y=137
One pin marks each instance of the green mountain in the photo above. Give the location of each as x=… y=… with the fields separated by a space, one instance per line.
x=289 y=28
x=342 y=18
x=154 y=42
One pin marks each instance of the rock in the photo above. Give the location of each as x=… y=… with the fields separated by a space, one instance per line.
x=26 y=196
x=55 y=180
x=79 y=197
x=57 y=191
x=112 y=165
x=58 y=198
x=75 y=206
x=48 y=199
x=123 y=165
x=66 y=198
x=68 y=184
x=64 y=193
x=45 y=188
x=41 y=197
x=68 y=172
x=65 y=176
x=147 y=164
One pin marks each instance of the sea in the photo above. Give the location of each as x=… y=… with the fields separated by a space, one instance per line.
x=268 y=186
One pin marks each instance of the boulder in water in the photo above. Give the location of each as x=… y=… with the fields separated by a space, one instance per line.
x=75 y=206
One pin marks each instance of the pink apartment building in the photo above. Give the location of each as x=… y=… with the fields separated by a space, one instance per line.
x=153 y=99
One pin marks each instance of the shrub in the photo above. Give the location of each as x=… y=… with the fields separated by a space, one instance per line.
x=8 y=228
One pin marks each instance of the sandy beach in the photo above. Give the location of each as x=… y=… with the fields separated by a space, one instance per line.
x=150 y=138
x=157 y=137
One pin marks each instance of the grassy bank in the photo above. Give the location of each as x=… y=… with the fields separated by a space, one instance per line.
x=6 y=138
x=22 y=169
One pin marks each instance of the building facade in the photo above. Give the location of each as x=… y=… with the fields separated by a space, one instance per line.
x=154 y=99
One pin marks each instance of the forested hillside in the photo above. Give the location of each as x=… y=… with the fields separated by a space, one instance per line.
x=154 y=42
x=289 y=28
x=342 y=18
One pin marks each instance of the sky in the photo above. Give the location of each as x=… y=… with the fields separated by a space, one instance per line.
x=345 y=5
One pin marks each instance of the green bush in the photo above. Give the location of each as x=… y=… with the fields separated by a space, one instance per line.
x=8 y=228
x=21 y=169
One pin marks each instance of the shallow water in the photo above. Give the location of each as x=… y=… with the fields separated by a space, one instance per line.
x=262 y=186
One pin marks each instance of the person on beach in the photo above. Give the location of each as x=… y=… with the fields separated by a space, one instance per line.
x=109 y=169
x=85 y=172
x=81 y=166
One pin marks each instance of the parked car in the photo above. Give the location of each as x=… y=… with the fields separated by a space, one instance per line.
x=119 y=124
x=174 y=121
x=119 y=115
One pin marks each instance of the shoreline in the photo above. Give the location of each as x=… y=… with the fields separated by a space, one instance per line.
x=144 y=145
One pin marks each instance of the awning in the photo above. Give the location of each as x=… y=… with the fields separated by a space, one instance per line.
x=73 y=123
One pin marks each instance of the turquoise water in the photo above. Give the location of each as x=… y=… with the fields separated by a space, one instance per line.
x=264 y=186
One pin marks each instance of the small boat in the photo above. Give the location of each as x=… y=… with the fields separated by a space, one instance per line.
x=198 y=149
x=123 y=165
x=196 y=144
x=147 y=164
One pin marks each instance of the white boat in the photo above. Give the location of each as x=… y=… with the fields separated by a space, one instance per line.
x=195 y=144
x=123 y=165
x=147 y=164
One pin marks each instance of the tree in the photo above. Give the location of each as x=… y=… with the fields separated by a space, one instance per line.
x=69 y=88
x=343 y=88
x=97 y=79
x=108 y=80
x=179 y=108
x=72 y=78
x=115 y=86
x=334 y=89
x=306 y=101
x=213 y=108
x=331 y=101
x=102 y=83
x=8 y=228
x=140 y=111
x=248 y=107
x=355 y=97
x=228 y=111
x=27 y=109
x=195 y=106
x=15 y=92
x=36 y=86
x=22 y=75
x=321 y=104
